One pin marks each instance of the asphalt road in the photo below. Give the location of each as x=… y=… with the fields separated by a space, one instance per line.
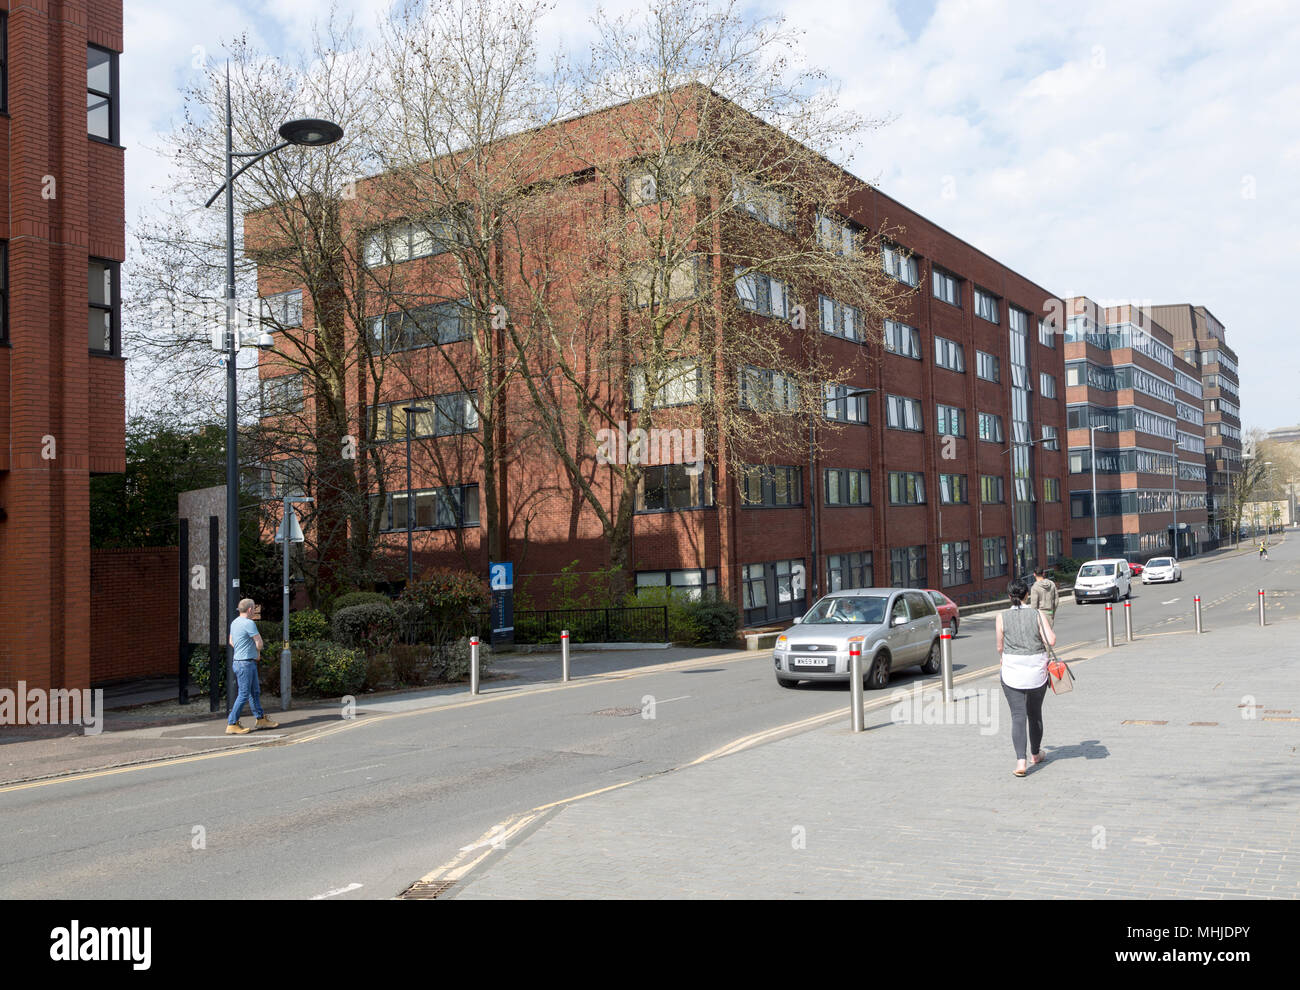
x=366 y=810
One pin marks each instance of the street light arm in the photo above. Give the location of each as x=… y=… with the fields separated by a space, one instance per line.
x=253 y=158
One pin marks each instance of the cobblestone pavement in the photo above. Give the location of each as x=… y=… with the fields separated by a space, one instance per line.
x=1171 y=773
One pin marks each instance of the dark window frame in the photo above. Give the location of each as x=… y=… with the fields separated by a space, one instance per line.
x=386 y=522
x=843 y=486
x=703 y=489
x=388 y=412
x=909 y=483
x=765 y=476
x=404 y=326
x=114 y=124
x=114 y=309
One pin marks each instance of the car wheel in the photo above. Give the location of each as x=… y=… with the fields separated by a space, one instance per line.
x=788 y=682
x=878 y=677
x=955 y=623
x=932 y=662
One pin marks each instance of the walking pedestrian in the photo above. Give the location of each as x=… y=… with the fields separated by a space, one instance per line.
x=1263 y=550
x=1023 y=639
x=247 y=642
x=1044 y=596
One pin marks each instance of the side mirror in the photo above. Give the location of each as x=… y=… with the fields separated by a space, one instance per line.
x=898 y=620
x=797 y=619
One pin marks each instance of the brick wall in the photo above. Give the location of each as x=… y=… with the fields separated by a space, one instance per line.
x=133 y=613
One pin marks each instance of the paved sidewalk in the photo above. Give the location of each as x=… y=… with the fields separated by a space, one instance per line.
x=1157 y=785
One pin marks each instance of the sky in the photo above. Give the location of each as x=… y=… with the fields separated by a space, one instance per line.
x=1134 y=152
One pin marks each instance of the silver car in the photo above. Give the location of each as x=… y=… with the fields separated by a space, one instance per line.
x=893 y=627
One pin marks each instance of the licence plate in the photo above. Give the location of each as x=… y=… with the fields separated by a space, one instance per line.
x=813 y=661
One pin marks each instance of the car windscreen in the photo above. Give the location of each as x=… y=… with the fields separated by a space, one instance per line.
x=1097 y=570
x=1159 y=562
x=864 y=610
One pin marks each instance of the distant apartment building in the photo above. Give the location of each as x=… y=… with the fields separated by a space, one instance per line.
x=949 y=475
x=1135 y=402
x=1201 y=340
x=62 y=400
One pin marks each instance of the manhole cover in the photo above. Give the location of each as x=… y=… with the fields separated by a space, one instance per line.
x=621 y=712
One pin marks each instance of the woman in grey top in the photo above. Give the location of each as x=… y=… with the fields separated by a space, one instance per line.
x=1023 y=639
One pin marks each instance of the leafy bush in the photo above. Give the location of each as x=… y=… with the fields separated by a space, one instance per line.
x=372 y=627
x=453 y=660
x=1066 y=569
x=447 y=604
x=335 y=670
x=716 y=618
x=308 y=624
x=269 y=630
x=411 y=665
x=199 y=670
x=682 y=625
x=358 y=598
x=300 y=668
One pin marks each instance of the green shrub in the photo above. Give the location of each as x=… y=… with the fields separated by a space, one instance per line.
x=307 y=624
x=371 y=627
x=682 y=625
x=453 y=660
x=199 y=670
x=335 y=670
x=717 y=619
x=413 y=665
x=358 y=598
x=450 y=602
x=269 y=630
x=300 y=668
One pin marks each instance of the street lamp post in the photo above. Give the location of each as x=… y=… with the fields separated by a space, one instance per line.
x=291 y=533
x=813 y=486
x=1174 y=450
x=1092 y=458
x=308 y=133
x=411 y=413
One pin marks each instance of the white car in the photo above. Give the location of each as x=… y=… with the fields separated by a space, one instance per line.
x=1103 y=579
x=1161 y=569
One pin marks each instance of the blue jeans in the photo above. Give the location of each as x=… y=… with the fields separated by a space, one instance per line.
x=250 y=690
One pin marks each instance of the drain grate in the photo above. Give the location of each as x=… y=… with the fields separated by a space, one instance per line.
x=426 y=890
x=618 y=712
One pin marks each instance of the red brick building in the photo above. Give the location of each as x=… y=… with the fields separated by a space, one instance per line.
x=916 y=487
x=62 y=399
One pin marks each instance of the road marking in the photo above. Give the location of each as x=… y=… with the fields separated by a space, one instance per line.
x=226 y=735
x=665 y=701
x=170 y=762
x=338 y=890
x=1171 y=601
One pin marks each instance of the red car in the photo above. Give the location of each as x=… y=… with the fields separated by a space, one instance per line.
x=949 y=613
x=1136 y=568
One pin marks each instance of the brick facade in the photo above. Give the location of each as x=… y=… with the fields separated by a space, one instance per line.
x=62 y=418
x=133 y=613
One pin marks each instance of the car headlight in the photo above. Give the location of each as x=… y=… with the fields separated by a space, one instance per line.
x=781 y=643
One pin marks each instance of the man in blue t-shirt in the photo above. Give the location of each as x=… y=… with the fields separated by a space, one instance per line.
x=247 y=642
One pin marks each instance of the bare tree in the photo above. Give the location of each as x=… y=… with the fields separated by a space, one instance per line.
x=680 y=272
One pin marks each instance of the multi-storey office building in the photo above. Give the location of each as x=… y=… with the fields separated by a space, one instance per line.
x=1201 y=339
x=949 y=474
x=1137 y=403
x=62 y=401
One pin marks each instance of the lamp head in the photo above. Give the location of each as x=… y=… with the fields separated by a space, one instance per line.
x=266 y=342
x=310 y=132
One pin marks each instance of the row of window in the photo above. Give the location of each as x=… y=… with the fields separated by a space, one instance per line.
x=1112 y=379
x=1118 y=336
x=1141 y=501
x=1121 y=418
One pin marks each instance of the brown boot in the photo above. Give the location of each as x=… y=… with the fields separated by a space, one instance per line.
x=236 y=730
x=265 y=723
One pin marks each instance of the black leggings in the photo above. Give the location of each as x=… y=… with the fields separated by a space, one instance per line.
x=1026 y=706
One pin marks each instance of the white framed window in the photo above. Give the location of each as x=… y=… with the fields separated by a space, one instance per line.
x=653 y=282
x=834 y=234
x=762 y=294
x=1047 y=385
x=766 y=390
x=284 y=309
x=1051 y=438
x=987 y=366
x=839 y=320
x=986 y=306
x=843 y=407
x=405 y=241
x=902 y=413
x=1046 y=336
x=762 y=202
x=946 y=287
x=991 y=428
x=900 y=265
x=680 y=383
x=949 y=354
x=951 y=421
x=902 y=339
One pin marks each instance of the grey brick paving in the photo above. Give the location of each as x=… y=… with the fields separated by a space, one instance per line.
x=905 y=810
